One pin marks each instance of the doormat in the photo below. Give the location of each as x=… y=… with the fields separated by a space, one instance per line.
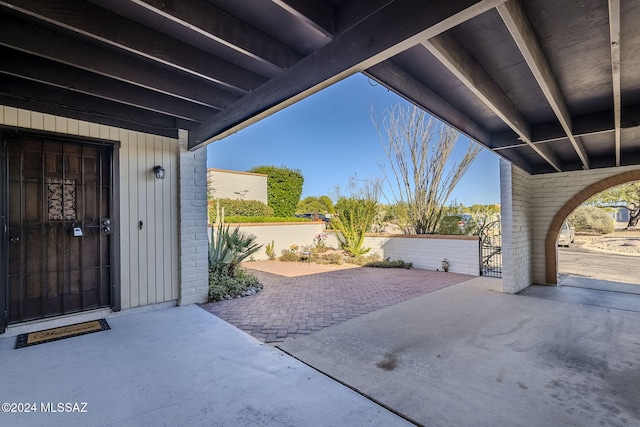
x=55 y=334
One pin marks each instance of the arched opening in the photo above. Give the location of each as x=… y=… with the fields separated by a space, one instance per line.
x=551 y=250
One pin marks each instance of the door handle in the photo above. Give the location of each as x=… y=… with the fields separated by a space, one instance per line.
x=14 y=239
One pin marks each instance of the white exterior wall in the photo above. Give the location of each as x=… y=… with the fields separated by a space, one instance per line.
x=283 y=235
x=516 y=217
x=223 y=184
x=548 y=194
x=529 y=204
x=149 y=255
x=194 y=247
x=427 y=252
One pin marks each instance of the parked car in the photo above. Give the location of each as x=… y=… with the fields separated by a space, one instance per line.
x=567 y=234
x=314 y=217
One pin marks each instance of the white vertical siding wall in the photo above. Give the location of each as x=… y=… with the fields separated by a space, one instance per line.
x=223 y=184
x=149 y=256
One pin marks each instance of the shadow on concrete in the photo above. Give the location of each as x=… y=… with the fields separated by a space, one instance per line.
x=469 y=356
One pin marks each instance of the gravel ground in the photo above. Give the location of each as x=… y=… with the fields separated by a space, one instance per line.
x=620 y=241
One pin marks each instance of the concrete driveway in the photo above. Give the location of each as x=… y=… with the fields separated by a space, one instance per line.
x=470 y=356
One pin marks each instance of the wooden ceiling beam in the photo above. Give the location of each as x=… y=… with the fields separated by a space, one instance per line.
x=217 y=25
x=394 y=78
x=39 y=41
x=518 y=25
x=77 y=80
x=47 y=98
x=370 y=42
x=462 y=64
x=316 y=14
x=101 y=25
x=614 y=34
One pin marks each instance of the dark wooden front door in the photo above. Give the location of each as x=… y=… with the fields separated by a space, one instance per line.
x=59 y=227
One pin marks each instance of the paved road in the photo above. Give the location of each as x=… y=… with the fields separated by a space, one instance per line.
x=578 y=261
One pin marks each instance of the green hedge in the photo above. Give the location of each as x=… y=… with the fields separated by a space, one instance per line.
x=248 y=219
x=284 y=188
x=234 y=207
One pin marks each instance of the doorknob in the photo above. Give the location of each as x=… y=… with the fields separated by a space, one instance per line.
x=14 y=239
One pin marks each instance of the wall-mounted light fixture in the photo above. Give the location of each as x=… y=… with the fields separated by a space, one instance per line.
x=159 y=171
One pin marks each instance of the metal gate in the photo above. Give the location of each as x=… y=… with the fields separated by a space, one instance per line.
x=491 y=250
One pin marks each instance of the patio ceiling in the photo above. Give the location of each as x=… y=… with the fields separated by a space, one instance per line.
x=549 y=85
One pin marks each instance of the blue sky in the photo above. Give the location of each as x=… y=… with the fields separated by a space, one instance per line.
x=330 y=136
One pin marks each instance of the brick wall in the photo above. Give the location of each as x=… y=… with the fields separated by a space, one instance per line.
x=516 y=217
x=193 y=224
x=549 y=193
x=529 y=205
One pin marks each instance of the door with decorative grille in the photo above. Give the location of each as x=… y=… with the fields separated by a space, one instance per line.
x=58 y=237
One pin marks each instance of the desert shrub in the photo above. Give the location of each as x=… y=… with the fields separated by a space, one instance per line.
x=389 y=264
x=222 y=286
x=328 y=258
x=289 y=256
x=362 y=260
x=234 y=207
x=284 y=188
x=592 y=220
x=320 y=249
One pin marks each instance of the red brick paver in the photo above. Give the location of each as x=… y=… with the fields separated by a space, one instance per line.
x=294 y=306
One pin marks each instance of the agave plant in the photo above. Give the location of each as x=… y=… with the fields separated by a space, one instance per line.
x=227 y=248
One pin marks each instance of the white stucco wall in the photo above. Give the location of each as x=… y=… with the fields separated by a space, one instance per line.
x=427 y=252
x=283 y=235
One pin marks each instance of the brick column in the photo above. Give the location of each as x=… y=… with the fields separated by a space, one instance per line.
x=516 y=214
x=192 y=189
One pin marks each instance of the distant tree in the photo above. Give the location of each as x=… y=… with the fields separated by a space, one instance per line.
x=284 y=188
x=313 y=204
x=592 y=219
x=418 y=148
x=621 y=196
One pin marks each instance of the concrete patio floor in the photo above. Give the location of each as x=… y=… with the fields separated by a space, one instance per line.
x=177 y=366
x=468 y=355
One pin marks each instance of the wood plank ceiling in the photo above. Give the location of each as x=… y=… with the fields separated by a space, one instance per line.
x=549 y=85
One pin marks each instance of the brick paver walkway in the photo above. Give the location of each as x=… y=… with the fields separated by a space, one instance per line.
x=294 y=306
